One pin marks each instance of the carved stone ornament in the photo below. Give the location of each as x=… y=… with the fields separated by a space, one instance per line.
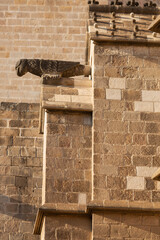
x=54 y=68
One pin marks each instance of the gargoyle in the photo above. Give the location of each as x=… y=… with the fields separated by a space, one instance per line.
x=55 y=68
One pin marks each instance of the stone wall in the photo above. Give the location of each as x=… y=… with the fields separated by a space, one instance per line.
x=128 y=226
x=126 y=128
x=38 y=29
x=20 y=170
x=126 y=139
x=67 y=158
x=67 y=227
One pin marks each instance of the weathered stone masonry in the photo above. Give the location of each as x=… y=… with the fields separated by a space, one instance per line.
x=124 y=200
x=101 y=141
x=20 y=169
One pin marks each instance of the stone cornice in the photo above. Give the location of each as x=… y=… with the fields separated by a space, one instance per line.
x=106 y=206
x=123 y=9
x=102 y=39
x=67 y=106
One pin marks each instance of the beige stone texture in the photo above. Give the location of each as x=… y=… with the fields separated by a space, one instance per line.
x=62 y=98
x=20 y=170
x=114 y=94
x=145 y=171
x=156 y=107
x=67 y=227
x=67 y=157
x=150 y=96
x=143 y=106
x=82 y=99
x=110 y=161
x=135 y=182
x=130 y=226
x=38 y=29
x=118 y=83
x=126 y=128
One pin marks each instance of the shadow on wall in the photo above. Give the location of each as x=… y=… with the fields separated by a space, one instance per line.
x=130 y=225
x=15 y=208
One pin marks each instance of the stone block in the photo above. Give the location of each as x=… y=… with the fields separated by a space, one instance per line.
x=148 y=150
x=6 y=141
x=101 y=230
x=116 y=106
x=114 y=72
x=119 y=231
x=21 y=181
x=69 y=91
x=153 y=139
x=12 y=208
x=118 y=138
x=156 y=106
x=146 y=171
x=81 y=99
x=152 y=127
x=117 y=83
x=99 y=93
x=85 y=91
x=141 y=233
x=151 y=85
x=79 y=186
x=150 y=96
x=133 y=116
x=113 y=94
x=150 y=184
x=117 y=126
x=136 y=127
x=130 y=72
x=135 y=61
x=116 y=182
x=140 y=139
x=156 y=161
x=107 y=170
x=131 y=95
x=26 y=227
x=28 y=152
x=72 y=197
x=82 y=198
x=156 y=196
x=141 y=160
x=62 y=98
x=19 y=141
x=143 y=106
x=135 y=183
x=3 y=123
x=132 y=219
x=132 y=83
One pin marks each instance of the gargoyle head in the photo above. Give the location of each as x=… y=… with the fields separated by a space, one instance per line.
x=21 y=67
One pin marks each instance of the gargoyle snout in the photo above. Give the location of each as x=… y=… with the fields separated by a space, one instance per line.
x=20 y=67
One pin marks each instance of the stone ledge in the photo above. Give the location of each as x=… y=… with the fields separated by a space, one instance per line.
x=53 y=209
x=67 y=106
x=106 y=206
x=123 y=9
x=109 y=39
x=48 y=80
x=126 y=206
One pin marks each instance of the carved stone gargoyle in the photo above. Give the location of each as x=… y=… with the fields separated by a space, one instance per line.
x=55 y=68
